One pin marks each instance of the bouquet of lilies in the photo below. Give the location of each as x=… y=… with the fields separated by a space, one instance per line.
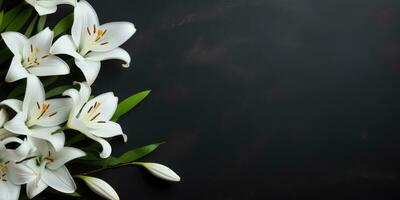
x=40 y=134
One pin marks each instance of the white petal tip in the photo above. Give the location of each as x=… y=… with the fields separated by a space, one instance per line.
x=126 y=65
x=125 y=137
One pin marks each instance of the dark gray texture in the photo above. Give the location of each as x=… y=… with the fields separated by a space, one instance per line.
x=261 y=99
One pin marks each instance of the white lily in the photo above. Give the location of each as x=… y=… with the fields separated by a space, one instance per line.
x=160 y=171
x=47 y=169
x=3 y=119
x=90 y=43
x=31 y=56
x=8 y=189
x=37 y=117
x=100 y=187
x=45 y=7
x=92 y=117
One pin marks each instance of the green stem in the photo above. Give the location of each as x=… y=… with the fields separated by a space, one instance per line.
x=109 y=167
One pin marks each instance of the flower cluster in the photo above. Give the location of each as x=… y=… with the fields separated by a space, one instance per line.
x=33 y=150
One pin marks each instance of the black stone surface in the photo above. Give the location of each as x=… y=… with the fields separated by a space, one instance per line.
x=261 y=99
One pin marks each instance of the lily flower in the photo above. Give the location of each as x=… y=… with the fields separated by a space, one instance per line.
x=45 y=7
x=90 y=43
x=31 y=56
x=92 y=117
x=160 y=171
x=100 y=187
x=3 y=119
x=8 y=189
x=47 y=169
x=37 y=117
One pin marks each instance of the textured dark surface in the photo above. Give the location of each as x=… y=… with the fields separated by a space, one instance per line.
x=289 y=99
x=261 y=99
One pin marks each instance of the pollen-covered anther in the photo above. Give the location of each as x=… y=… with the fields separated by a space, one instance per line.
x=44 y=108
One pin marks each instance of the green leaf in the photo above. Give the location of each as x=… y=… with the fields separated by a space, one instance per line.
x=94 y=160
x=41 y=23
x=1 y=17
x=17 y=91
x=9 y=16
x=29 y=30
x=57 y=91
x=138 y=153
x=63 y=25
x=75 y=194
x=75 y=139
x=20 y=20
x=110 y=161
x=129 y=103
x=50 y=80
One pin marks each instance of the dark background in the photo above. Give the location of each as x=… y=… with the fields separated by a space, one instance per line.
x=261 y=99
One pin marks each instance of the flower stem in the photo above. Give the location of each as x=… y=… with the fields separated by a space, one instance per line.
x=105 y=168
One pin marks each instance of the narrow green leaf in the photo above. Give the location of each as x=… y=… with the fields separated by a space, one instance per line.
x=29 y=30
x=41 y=23
x=57 y=91
x=9 y=16
x=50 y=80
x=20 y=20
x=110 y=161
x=138 y=153
x=17 y=91
x=1 y=17
x=63 y=25
x=75 y=140
x=129 y=103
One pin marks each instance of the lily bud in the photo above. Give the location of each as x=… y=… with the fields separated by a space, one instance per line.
x=100 y=187
x=160 y=171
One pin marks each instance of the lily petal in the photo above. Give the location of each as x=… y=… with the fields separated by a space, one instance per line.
x=42 y=10
x=15 y=42
x=106 y=105
x=50 y=66
x=9 y=191
x=5 y=134
x=100 y=187
x=89 y=68
x=56 y=114
x=59 y=179
x=65 y=45
x=41 y=42
x=16 y=71
x=84 y=16
x=34 y=95
x=17 y=125
x=14 y=104
x=35 y=187
x=117 y=53
x=55 y=2
x=65 y=155
x=21 y=173
x=56 y=139
x=3 y=117
x=117 y=34
x=107 y=130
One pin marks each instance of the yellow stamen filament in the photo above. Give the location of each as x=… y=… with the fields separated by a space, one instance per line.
x=45 y=107
x=91 y=113
x=3 y=171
